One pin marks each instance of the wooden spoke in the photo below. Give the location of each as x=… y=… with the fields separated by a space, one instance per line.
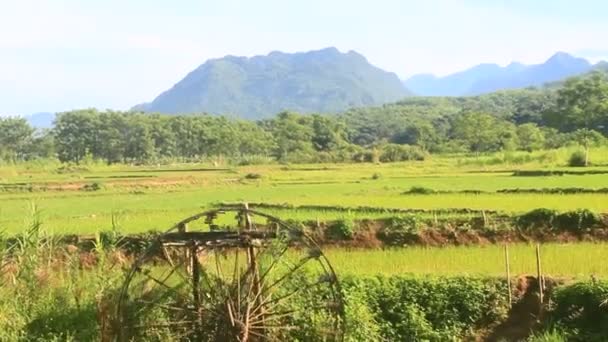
x=176 y=292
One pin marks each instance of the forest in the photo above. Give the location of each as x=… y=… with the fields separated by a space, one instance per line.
x=572 y=113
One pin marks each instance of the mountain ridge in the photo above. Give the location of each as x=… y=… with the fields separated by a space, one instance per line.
x=325 y=80
x=494 y=77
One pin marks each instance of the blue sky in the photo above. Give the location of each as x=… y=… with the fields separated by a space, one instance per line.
x=62 y=54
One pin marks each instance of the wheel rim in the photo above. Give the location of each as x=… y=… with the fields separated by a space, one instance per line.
x=245 y=281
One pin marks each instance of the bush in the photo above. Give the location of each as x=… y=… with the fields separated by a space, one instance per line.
x=367 y=156
x=574 y=221
x=427 y=308
x=343 y=229
x=577 y=159
x=252 y=176
x=92 y=187
x=537 y=218
x=419 y=190
x=400 y=230
x=581 y=311
x=376 y=176
x=396 y=153
x=577 y=220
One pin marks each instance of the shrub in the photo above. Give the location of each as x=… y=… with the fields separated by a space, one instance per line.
x=419 y=190
x=577 y=159
x=400 y=230
x=252 y=176
x=537 y=218
x=577 y=220
x=367 y=156
x=581 y=310
x=404 y=223
x=343 y=229
x=376 y=176
x=429 y=308
x=92 y=187
x=395 y=153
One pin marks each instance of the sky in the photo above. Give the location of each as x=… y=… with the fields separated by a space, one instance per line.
x=57 y=55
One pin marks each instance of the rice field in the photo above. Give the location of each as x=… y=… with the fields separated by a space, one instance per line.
x=580 y=260
x=86 y=199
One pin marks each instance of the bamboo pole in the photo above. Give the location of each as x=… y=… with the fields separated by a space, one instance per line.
x=508 y=270
x=539 y=274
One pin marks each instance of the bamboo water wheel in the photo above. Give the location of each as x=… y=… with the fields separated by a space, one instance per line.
x=231 y=274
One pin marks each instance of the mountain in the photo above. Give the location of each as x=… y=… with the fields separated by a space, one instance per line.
x=601 y=66
x=459 y=83
x=487 y=78
x=41 y=120
x=317 y=81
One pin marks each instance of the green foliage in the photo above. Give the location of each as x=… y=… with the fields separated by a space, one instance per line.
x=578 y=159
x=528 y=120
x=16 y=138
x=401 y=230
x=548 y=336
x=531 y=137
x=419 y=190
x=577 y=220
x=342 y=229
x=253 y=176
x=95 y=186
x=581 y=311
x=582 y=103
x=396 y=153
x=574 y=221
x=540 y=218
x=434 y=309
x=484 y=132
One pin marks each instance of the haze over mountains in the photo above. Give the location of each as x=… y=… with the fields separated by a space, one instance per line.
x=487 y=78
x=317 y=81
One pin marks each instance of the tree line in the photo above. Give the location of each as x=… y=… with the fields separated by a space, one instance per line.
x=529 y=119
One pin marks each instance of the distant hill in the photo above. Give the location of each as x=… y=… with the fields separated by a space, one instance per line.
x=317 y=81
x=487 y=78
x=459 y=83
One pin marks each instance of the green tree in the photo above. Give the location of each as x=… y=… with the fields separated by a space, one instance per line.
x=582 y=104
x=293 y=136
x=139 y=143
x=43 y=145
x=328 y=134
x=16 y=136
x=421 y=133
x=530 y=136
x=483 y=132
x=76 y=135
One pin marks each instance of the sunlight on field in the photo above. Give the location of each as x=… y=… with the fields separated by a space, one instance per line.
x=560 y=260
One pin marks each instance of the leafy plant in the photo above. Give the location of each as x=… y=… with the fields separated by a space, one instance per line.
x=376 y=176
x=577 y=220
x=342 y=229
x=537 y=218
x=419 y=190
x=95 y=186
x=578 y=159
x=580 y=310
x=252 y=176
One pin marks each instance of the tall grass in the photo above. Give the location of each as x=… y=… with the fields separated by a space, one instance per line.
x=54 y=293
